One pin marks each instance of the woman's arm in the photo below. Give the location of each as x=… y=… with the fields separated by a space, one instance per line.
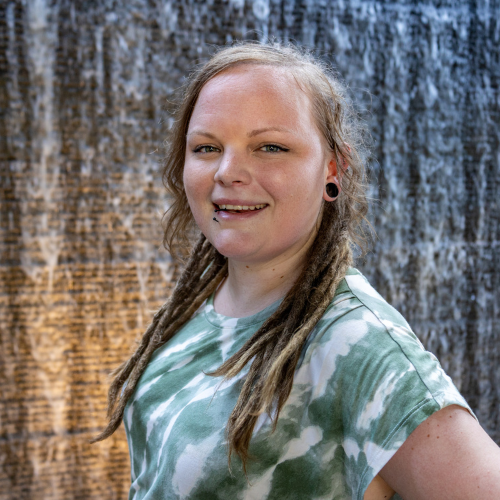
x=378 y=489
x=448 y=455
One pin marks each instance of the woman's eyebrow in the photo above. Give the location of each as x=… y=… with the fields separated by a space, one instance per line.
x=253 y=133
x=201 y=132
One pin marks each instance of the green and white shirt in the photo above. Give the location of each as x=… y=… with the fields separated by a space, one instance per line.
x=363 y=384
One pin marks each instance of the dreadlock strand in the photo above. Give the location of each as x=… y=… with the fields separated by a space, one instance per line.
x=117 y=413
x=327 y=267
x=165 y=312
x=242 y=420
x=172 y=311
x=191 y=274
x=299 y=296
x=247 y=410
x=290 y=352
x=165 y=336
x=232 y=366
x=198 y=282
x=216 y=273
x=236 y=363
x=191 y=268
x=191 y=308
x=209 y=265
x=123 y=371
x=214 y=262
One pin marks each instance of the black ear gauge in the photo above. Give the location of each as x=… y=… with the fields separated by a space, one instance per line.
x=332 y=190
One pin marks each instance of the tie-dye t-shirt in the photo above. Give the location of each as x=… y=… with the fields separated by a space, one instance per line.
x=363 y=384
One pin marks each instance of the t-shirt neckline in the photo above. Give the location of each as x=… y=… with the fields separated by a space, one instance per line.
x=222 y=321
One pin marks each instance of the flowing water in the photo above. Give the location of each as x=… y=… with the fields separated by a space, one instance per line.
x=85 y=94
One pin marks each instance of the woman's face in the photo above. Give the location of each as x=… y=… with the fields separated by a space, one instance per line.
x=254 y=151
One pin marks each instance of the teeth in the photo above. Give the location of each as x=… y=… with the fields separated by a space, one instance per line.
x=242 y=207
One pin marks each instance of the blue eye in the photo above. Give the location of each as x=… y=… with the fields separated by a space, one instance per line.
x=273 y=148
x=206 y=149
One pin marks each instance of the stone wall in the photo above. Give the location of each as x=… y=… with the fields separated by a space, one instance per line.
x=84 y=102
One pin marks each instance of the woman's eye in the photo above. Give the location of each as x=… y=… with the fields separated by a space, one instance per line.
x=273 y=148
x=206 y=149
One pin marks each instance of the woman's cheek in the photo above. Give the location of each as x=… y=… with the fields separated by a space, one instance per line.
x=193 y=186
x=195 y=207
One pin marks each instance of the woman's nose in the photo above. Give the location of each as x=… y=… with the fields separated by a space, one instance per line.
x=232 y=169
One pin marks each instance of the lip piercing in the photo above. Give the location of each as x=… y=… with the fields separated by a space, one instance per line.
x=215 y=220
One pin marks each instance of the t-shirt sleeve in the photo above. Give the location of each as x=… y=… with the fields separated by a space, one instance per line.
x=389 y=384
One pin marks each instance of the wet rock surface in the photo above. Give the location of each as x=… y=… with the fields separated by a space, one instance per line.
x=84 y=101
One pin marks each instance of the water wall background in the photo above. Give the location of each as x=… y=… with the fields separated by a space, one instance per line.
x=84 y=89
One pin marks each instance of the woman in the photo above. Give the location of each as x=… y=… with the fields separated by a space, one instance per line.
x=275 y=370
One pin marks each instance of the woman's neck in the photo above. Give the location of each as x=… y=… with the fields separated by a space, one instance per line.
x=250 y=287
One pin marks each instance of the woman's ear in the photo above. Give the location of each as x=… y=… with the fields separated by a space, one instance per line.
x=332 y=184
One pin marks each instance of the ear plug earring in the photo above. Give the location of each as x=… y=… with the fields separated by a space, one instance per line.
x=332 y=190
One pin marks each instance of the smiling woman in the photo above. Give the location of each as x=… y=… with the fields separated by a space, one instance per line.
x=258 y=146
x=275 y=370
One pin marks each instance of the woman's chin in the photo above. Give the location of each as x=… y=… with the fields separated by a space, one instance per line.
x=234 y=252
x=236 y=248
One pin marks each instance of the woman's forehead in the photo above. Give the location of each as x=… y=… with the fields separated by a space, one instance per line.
x=254 y=83
x=257 y=77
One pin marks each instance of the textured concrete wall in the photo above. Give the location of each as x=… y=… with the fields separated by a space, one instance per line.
x=83 y=110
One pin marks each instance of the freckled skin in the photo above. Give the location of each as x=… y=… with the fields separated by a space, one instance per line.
x=461 y=459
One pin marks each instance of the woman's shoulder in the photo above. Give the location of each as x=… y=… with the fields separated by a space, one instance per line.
x=365 y=364
x=360 y=314
x=367 y=342
x=355 y=292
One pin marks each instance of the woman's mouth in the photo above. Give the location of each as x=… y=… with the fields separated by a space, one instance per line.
x=238 y=209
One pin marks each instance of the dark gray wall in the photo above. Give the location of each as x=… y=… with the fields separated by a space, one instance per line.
x=83 y=112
